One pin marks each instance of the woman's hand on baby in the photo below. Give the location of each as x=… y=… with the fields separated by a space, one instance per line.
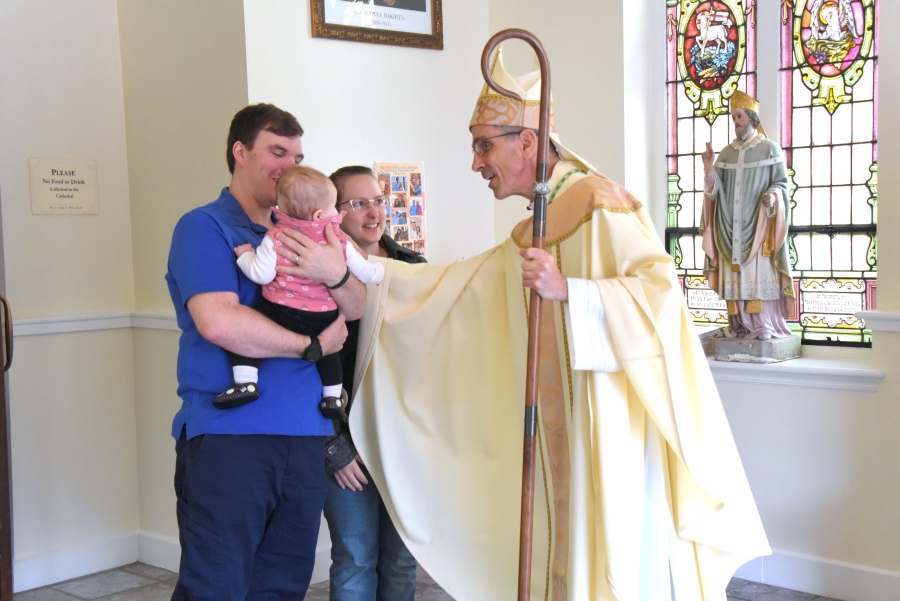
x=242 y=249
x=318 y=262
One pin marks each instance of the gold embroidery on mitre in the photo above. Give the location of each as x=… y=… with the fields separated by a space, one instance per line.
x=494 y=109
x=754 y=306
x=501 y=110
x=740 y=100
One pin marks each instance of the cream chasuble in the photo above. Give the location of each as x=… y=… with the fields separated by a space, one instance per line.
x=639 y=487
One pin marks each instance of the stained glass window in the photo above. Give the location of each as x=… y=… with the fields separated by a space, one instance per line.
x=711 y=48
x=828 y=127
x=829 y=131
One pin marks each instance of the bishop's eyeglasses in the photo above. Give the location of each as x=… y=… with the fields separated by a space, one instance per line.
x=481 y=145
x=358 y=204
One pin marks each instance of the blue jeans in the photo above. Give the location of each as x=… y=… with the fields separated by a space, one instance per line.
x=369 y=561
x=248 y=515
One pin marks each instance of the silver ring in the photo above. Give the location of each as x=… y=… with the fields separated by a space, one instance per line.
x=296 y=258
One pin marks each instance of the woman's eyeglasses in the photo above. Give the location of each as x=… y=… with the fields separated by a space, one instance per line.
x=358 y=204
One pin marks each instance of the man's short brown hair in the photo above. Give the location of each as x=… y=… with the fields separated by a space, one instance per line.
x=250 y=120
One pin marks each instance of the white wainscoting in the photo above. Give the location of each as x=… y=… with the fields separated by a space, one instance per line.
x=820 y=576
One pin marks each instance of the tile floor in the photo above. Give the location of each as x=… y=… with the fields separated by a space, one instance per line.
x=140 y=582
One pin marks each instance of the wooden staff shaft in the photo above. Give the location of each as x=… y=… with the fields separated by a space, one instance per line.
x=541 y=190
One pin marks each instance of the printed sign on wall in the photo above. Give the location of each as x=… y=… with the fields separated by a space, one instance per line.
x=63 y=187
x=404 y=184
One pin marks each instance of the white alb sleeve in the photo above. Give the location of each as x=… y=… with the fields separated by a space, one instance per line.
x=365 y=271
x=259 y=265
x=710 y=183
x=590 y=343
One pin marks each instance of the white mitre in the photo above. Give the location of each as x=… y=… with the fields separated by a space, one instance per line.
x=496 y=109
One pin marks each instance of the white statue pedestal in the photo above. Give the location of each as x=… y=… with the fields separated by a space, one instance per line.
x=773 y=350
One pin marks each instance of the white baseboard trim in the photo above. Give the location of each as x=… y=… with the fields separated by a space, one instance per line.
x=825 y=577
x=73 y=562
x=96 y=556
x=159 y=551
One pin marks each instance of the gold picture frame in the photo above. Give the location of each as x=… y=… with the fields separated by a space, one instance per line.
x=411 y=23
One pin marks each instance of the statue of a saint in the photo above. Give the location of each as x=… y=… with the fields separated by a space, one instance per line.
x=744 y=228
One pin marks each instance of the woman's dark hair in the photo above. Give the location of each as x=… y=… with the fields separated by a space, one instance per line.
x=338 y=177
x=251 y=120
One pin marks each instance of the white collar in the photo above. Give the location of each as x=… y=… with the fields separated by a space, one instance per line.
x=737 y=144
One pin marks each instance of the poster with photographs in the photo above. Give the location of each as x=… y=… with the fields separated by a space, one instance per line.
x=404 y=184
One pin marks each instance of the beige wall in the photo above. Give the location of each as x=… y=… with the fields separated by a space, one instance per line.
x=73 y=440
x=72 y=413
x=184 y=73
x=155 y=355
x=61 y=86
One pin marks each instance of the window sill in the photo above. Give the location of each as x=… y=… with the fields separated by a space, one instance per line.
x=803 y=372
x=881 y=321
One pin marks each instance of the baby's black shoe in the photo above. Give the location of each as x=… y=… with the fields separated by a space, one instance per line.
x=334 y=407
x=241 y=394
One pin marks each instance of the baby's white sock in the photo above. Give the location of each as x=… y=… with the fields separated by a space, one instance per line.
x=244 y=374
x=334 y=390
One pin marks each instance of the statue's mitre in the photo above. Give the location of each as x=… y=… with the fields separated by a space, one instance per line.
x=740 y=100
x=496 y=109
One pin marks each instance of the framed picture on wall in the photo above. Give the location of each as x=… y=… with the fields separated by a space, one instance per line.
x=413 y=23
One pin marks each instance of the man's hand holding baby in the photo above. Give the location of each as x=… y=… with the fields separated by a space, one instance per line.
x=318 y=262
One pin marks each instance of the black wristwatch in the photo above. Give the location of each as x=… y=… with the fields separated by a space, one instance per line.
x=314 y=351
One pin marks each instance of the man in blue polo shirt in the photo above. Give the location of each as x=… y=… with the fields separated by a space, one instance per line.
x=250 y=481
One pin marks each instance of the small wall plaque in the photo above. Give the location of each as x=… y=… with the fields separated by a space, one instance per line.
x=64 y=187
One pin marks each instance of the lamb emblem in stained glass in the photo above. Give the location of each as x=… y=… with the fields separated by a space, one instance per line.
x=711 y=52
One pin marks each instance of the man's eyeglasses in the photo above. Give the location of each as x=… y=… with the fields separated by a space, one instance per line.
x=358 y=204
x=481 y=145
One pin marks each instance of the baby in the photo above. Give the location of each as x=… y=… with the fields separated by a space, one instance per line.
x=306 y=202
